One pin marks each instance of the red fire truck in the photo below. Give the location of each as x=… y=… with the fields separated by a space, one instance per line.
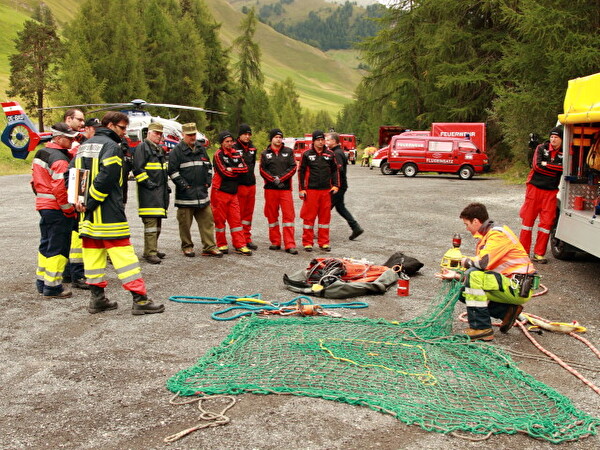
x=475 y=132
x=413 y=154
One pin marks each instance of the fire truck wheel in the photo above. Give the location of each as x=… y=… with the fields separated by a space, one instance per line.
x=409 y=170
x=466 y=172
x=561 y=250
x=385 y=169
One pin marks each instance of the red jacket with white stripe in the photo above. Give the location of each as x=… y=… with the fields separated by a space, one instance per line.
x=49 y=168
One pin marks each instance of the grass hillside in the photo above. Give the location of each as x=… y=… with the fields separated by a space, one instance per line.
x=323 y=82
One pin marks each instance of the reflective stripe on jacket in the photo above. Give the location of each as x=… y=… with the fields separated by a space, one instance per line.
x=192 y=173
x=150 y=171
x=104 y=217
x=499 y=250
x=49 y=168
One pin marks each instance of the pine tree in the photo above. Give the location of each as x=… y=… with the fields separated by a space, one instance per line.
x=216 y=84
x=285 y=101
x=550 y=42
x=248 y=72
x=34 y=66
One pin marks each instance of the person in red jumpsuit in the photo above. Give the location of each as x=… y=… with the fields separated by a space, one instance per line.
x=540 y=194
x=319 y=177
x=229 y=165
x=247 y=182
x=277 y=167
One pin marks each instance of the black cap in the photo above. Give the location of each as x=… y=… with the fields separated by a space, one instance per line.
x=224 y=135
x=93 y=122
x=557 y=131
x=244 y=128
x=318 y=134
x=62 y=129
x=275 y=132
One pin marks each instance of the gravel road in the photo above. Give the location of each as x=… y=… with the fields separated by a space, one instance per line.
x=74 y=380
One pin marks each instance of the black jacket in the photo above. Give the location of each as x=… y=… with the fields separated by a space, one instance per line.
x=229 y=167
x=150 y=171
x=547 y=167
x=318 y=172
x=342 y=161
x=104 y=217
x=278 y=164
x=249 y=154
x=191 y=171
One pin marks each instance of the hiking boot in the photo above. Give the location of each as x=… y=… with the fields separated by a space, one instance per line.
x=189 y=252
x=480 y=335
x=223 y=249
x=326 y=248
x=291 y=251
x=80 y=284
x=356 y=232
x=161 y=255
x=308 y=248
x=252 y=246
x=98 y=301
x=274 y=247
x=244 y=251
x=212 y=252
x=62 y=294
x=141 y=305
x=508 y=321
x=153 y=259
x=539 y=259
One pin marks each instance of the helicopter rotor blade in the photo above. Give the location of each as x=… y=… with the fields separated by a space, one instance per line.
x=137 y=104
x=110 y=105
x=191 y=108
x=114 y=106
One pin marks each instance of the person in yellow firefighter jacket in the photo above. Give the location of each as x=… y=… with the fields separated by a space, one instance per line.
x=150 y=171
x=498 y=280
x=103 y=226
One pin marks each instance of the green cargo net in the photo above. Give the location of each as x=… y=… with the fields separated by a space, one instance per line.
x=413 y=370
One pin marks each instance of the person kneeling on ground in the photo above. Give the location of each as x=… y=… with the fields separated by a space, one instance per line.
x=498 y=279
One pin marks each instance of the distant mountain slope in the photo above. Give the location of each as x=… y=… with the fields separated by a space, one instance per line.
x=323 y=83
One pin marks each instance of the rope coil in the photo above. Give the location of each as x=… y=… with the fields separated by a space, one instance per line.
x=253 y=304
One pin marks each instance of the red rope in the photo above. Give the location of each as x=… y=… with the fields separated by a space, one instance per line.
x=559 y=361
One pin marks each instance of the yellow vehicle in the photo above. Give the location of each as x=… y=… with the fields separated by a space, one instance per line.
x=578 y=218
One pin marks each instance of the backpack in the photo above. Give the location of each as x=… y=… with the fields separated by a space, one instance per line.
x=593 y=157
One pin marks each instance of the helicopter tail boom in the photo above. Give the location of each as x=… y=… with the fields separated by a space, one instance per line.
x=20 y=134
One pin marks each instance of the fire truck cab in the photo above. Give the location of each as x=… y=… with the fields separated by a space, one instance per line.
x=577 y=225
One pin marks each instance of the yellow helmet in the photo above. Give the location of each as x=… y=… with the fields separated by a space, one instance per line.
x=451 y=259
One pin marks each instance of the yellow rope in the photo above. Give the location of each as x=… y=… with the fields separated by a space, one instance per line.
x=426 y=378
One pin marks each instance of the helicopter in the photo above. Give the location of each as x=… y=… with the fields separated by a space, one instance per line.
x=22 y=136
